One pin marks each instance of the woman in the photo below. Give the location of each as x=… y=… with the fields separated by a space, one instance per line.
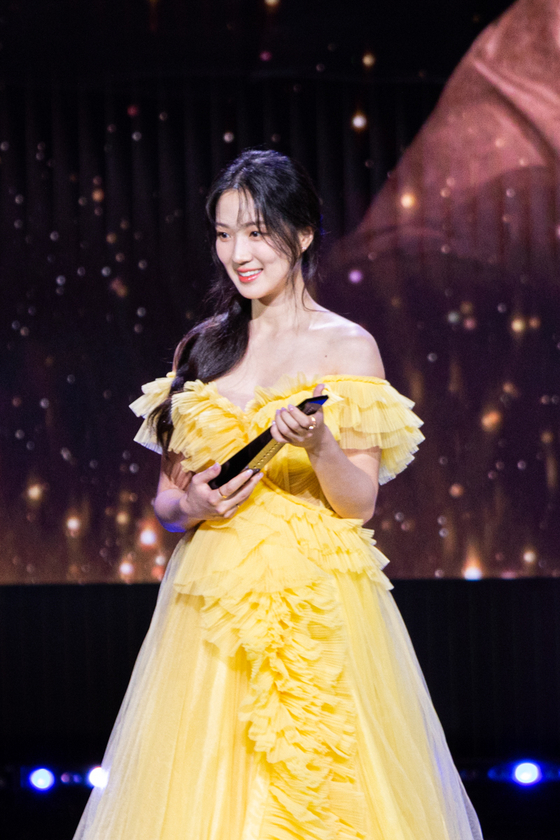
x=277 y=694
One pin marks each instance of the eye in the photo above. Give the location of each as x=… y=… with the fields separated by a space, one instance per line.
x=221 y=234
x=255 y=234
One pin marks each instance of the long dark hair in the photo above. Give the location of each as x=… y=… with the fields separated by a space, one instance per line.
x=286 y=204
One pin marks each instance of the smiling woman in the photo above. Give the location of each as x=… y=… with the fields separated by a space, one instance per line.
x=277 y=694
x=246 y=251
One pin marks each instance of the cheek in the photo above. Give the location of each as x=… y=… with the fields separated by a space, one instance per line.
x=268 y=256
x=222 y=251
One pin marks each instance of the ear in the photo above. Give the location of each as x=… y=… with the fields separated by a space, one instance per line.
x=305 y=239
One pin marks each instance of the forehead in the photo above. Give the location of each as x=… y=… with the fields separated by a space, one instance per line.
x=235 y=208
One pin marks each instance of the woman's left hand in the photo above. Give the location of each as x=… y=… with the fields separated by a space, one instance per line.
x=293 y=426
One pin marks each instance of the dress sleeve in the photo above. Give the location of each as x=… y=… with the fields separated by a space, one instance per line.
x=154 y=393
x=373 y=414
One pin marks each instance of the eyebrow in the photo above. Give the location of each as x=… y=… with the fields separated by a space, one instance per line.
x=246 y=225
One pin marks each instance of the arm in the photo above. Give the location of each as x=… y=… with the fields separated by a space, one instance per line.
x=349 y=479
x=183 y=500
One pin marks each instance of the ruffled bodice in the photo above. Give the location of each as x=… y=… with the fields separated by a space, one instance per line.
x=362 y=413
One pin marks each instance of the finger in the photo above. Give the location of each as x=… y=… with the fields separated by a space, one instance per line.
x=207 y=475
x=304 y=420
x=245 y=491
x=288 y=425
x=235 y=484
x=237 y=499
x=277 y=435
x=287 y=417
x=318 y=390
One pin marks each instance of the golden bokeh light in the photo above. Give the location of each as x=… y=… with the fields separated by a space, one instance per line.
x=408 y=200
x=73 y=525
x=35 y=492
x=518 y=325
x=472 y=567
x=491 y=420
x=511 y=389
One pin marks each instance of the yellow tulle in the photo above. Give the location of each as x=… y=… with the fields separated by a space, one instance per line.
x=276 y=696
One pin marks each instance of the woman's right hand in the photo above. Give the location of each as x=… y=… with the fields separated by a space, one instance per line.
x=185 y=499
x=201 y=502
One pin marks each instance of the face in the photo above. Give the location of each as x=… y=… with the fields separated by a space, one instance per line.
x=257 y=269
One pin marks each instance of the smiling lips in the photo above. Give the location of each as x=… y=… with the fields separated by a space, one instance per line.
x=248 y=274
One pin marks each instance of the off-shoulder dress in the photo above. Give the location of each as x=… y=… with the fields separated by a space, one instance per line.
x=277 y=695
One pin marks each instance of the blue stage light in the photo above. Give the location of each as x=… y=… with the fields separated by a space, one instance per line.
x=526 y=773
x=41 y=779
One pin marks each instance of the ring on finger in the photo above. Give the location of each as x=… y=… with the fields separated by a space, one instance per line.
x=313 y=423
x=221 y=494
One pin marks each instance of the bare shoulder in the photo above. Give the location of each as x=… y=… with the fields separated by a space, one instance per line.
x=352 y=350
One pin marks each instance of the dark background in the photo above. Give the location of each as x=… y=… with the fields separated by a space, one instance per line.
x=114 y=118
x=489 y=652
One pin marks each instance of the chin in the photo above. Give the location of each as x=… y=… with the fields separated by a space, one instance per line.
x=258 y=291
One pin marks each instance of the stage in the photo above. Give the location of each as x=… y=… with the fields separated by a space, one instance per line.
x=489 y=651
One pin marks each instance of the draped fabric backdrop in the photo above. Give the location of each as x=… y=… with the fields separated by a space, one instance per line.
x=105 y=262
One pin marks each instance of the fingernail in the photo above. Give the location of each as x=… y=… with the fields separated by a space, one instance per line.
x=273 y=423
x=291 y=407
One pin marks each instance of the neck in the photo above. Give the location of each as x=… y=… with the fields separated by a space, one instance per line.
x=289 y=309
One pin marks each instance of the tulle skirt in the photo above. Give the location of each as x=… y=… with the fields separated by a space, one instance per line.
x=277 y=696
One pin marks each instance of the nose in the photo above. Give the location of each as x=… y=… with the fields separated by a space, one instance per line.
x=241 y=252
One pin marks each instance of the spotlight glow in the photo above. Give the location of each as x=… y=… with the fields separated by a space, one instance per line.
x=491 y=420
x=472 y=573
x=73 y=525
x=359 y=121
x=98 y=777
x=408 y=200
x=526 y=773
x=35 y=492
x=518 y=325
x=126 y=569
x=355 y=276
x=122 y=517
x=41 y=779
x=148 y=537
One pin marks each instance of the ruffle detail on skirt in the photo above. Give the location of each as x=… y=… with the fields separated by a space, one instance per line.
x=298 y=707
x=267 y=586
x=325 y=542
x=332 y=543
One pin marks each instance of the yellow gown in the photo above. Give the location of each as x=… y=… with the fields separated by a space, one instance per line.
x=277 y=695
